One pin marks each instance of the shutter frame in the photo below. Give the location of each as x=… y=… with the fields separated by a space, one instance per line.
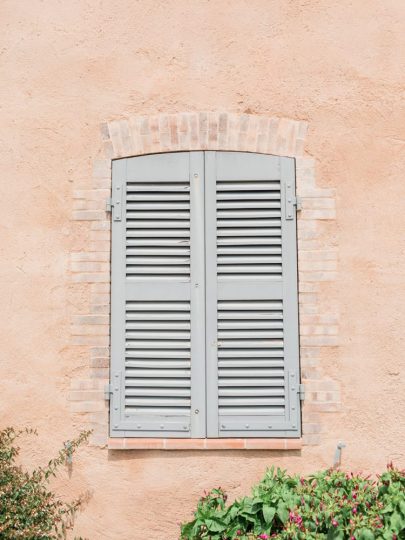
x=119 y=168
x=290 y=292
x=202 y=174
x=151 y=179
x=269 y=168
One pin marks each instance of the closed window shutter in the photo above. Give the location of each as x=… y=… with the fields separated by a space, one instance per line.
x=252 y=313
x=158 y=296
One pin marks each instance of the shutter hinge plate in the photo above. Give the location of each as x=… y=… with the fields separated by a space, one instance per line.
x=291 y=201
x=301 y=392
x=114 y=204
x=107 y=392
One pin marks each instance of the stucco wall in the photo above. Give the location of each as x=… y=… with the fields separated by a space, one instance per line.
x=69 y=67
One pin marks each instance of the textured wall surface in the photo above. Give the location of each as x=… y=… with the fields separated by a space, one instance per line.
x=69 y=67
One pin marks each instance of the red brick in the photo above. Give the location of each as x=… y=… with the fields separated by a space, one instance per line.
x=143 y=444
x=88 y=215
x=174 y=139
x=184 y=444
x=225 y=444
x=294 y=444
x=265 y=444
x=213 y=130
x=116 y=444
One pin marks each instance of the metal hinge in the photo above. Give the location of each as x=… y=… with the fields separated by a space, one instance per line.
x=298 y=203
x=290 y=201
x=301 y=392
x=114 y=203
x=109 y=205
x=107 y=392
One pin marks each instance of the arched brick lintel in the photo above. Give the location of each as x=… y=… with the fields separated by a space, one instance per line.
x=204 y=131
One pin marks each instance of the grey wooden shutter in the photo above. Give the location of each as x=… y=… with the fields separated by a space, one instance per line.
x=158 y=296
x=252 y=311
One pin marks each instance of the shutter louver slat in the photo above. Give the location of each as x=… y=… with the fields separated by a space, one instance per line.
x=247 y=208
x=149 y=208
x=162 y=350
x=237 y=394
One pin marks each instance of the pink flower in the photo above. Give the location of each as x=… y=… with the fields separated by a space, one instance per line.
x=264 y=536
x=335 y=523
x=354 y=510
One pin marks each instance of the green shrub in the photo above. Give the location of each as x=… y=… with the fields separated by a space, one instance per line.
x=28 y=509
x=330 y=505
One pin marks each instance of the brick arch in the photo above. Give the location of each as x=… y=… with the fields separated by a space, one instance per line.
x=317 y=254
x=205 y=131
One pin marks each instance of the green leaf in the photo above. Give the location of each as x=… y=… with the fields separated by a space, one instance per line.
x=366 y=534
x=397 y=523
x=268 y=513
x=215 y=525
x=233 y=512
x=282 y=511
x=388 y=509
x=335 y=534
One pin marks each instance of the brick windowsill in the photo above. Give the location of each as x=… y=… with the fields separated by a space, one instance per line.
x=203 y=444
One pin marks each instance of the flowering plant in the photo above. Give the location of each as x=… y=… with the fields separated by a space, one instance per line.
x=28 y=509
x=330 y=505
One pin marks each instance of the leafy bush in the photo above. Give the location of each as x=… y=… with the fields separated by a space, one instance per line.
x=28 y=510
x=330 y=505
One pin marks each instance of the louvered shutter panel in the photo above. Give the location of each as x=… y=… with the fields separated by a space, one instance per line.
x=157 y=310
x=252 y=310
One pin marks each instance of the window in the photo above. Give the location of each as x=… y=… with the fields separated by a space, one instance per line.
x=204 y=336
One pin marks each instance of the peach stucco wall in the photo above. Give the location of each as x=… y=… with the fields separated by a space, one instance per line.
x=67 y=68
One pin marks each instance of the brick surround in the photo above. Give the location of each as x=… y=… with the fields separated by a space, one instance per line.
x=90 y=265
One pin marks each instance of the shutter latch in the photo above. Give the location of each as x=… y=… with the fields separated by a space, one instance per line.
x=107 y=392
x=301 y=392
